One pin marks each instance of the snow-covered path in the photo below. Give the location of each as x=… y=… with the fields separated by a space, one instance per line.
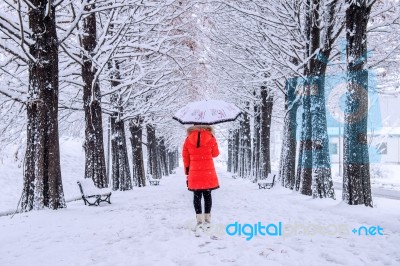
x=151 y=226
x=376 y=192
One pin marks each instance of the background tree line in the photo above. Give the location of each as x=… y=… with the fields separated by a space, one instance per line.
x=114 y=65
x=275 y=57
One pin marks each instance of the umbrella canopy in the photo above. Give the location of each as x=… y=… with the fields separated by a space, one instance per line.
x=207 y=112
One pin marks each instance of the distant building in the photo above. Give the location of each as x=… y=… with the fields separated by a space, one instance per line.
x=383 y=138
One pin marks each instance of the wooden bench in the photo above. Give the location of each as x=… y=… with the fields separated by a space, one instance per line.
x=267 y=183
x=154 y=182
x=97 y=195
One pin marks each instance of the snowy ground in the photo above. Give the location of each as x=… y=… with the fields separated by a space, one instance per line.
x=73 y=165
x=383 y=176
x=151 y=226
x=11 y=173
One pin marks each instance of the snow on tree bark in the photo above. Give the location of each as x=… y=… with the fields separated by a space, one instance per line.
x=163 y=156
x=256 y=141
x=239 y=147
x=95 y=166
x=152 y=156
x=120 y=165
x=305 y=163
x=138 y=172
x=265 y=128
x=42 y=177
x=314 y=172
x=356 y=173
x=287 y=165
x=230 y=150
x=322 y=185
x=173 y=158
x=246 y=143
x=236 y=154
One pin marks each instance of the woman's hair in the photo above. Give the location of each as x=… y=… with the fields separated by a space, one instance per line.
x=201 y=127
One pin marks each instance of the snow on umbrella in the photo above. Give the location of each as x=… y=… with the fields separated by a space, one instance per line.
x=207 y=112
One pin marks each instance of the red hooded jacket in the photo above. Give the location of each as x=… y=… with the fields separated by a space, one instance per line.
x=198 y=151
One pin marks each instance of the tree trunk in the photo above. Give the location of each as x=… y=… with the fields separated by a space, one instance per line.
x=241 y=149
x=305 y=164
x=287 y=166
x=236 y=151
x=120 y=164
x=314 y=172
x=163 y=156
x=256 y=142
x=356 y=175
x=265 y=136
x=322 y=185
x=172 y=160
x=246 y=144
x=152 y=156
x=95 y=165
x=230 y=150
x=138 y=173
x=304 y=168
x=176 y=157
x=42 y=177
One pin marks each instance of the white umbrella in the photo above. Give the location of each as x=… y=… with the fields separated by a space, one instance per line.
x=207 y=112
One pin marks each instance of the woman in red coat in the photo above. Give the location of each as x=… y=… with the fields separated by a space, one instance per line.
x=199 y=149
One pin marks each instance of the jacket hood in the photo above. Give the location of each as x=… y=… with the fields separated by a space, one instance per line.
x=200 y=127
x=200 y=135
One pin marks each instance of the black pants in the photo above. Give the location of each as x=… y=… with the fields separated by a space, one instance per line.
x=207 y=201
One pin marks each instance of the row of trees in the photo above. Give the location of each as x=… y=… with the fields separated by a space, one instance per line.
x=281 y=54
x=116 y=62
x=129 y=64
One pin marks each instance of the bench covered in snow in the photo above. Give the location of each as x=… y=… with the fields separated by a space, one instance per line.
x=154 y=182
x=89 y=191
x=267 y=183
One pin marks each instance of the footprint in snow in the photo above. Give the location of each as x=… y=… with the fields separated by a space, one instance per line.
x=204 y=244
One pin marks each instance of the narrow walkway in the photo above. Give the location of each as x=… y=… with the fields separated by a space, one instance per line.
x=151 y=226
